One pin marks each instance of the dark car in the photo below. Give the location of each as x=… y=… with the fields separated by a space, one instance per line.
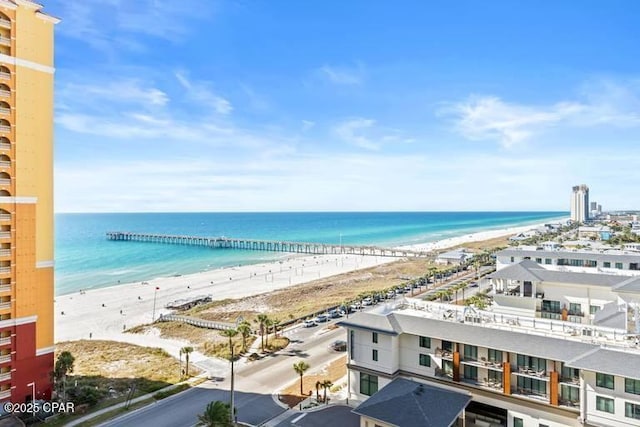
x=338 y=345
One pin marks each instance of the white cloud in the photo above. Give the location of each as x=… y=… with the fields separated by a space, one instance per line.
x=343 y=75
x=120 y=91
x=491 y=118
x=353 y=131
x=307 y=125
x=202 y=93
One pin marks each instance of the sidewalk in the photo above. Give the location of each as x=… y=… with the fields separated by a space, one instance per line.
x=123 y=404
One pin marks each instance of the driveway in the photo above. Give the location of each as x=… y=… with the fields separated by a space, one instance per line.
x=331 y=416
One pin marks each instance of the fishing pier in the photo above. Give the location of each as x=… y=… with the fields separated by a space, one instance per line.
x=264 y=245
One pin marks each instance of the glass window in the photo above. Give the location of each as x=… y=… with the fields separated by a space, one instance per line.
x=547 y=260
x=518 y=422
x=471 y=372
x=632 y=410
x=593 y=309
x=570 y=374
x=425 y=342
x=533 y=386
x=551 y=306
x=575 y=309
x=447 y=345
x=606 y=264
x=512 y=259
x=425 y=360
x=529 y=362
x=494 y=355
x=570 y=394
x=619 y=265
x=539 y=260
x=494 y=376
x=351 y=343
x=368 y=384
x=374 y=337
x=375 y=355
x=604 y=380
x=604 y=404
x=470 y=352
x=632 y=386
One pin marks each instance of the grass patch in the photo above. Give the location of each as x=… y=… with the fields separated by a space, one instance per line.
x=166 y=393
x=276 y=344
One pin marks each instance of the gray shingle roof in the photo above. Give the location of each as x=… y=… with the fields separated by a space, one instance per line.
x=610 y=362
x=596 y=256
x=632 y=284
x=385 y=324
x=530 y=271
x=406 y=403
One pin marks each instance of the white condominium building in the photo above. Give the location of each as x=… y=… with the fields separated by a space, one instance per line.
x=580 y=203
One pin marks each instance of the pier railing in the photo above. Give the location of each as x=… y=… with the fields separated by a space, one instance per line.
x=265 y=245
x=196 y=322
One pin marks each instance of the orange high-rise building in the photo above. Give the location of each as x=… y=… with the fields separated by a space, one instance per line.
x=26 y=201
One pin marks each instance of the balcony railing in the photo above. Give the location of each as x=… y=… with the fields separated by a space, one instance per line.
x=5 y=358
x=5 y=341
x=4 y=110
x=531 y=393
x=5 y=394
x=5 y=234
x=5 y=252
x=571 y=380
x=537 y=373
x=570 y=403
x=445 y=354
x=5 y=164
x=5 y=128
x=5 y=288
x=5 y=93
x=5 y=76
x=5 y=23
x=5 y=41
x=5 y=217
x=4 y=305
x=5 y=146
x=5 y=181
x=5 y=376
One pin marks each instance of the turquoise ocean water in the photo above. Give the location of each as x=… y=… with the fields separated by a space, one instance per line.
x=86 y=259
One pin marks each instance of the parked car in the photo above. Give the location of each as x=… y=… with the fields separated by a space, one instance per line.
x=473 y=285
x=391 y=294
x=338 y=345
x=367 y=301
x=309 y=324
x=321 y=318
x=356 y=306
x=334 y=314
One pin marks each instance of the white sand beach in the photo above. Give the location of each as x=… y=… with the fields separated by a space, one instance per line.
x=104 y=313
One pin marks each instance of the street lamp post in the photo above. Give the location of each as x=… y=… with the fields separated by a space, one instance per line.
x=33 y=397
x=155 y=293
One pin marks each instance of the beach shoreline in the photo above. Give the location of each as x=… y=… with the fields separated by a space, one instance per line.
x=104 y=313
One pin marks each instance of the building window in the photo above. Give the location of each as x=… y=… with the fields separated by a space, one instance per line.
x=425 y=360
x=593 y=309
x=494 y=355
x=374 y=337
x=570 y=374
x=532 y=386
x=534 y=363
x=368 y=384
x=351 y=343
x=590 y=263
x=512 y=259
x=447 y=346
x=518 y=422
x=606 y=264
x=605 y=381
x=547 y=261
x=631 y=386
x=471 y=372
x=570 y=394
x=539 y=260
x=470 y=352
x=619 y=265
x=494 y=376
x=374 y=355
x=551 y=306
x=604 y=404
x=575 y=309
x=425 y=342
x=632 y=410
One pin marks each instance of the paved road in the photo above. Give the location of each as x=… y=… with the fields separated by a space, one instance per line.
x=340 y=416
x=255 y=383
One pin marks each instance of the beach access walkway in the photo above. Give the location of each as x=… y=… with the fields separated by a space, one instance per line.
x=266 y=245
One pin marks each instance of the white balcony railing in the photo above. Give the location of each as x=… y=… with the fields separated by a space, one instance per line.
x=5 y=217
x=4 y=270
x=5 y=76
x=5 y=376
x=5 y=164
x=5 y=252
x=5 y=93
x=4 y=305
x=6 y=358
x=5 y=288
x=5 y=181
x=5 y=341
x=4 y=146
x=5 y=23
x=5 y=394
x=5 y=41
x=5 y=128
x=5 y=111
x=5 y=234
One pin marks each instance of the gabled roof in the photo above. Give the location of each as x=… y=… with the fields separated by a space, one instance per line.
x=385 y=324
x=522 y=271
x=610 y=362
x=406 y=403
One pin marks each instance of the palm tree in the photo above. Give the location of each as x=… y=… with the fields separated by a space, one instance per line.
x=63 y=366
x=267 y=325
x=301 y=367
x=230 y=333
x=186 y=351
x=325 y=385
x=318 y=385
x=275 y=323
x=244 y=329
x=217 y=414
x=262 y=320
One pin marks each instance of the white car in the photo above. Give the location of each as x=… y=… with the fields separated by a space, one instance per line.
x=309 y=324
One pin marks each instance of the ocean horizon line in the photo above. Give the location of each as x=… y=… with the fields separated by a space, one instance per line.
x=311 y=211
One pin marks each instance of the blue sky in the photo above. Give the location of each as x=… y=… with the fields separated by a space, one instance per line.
x=206 y=105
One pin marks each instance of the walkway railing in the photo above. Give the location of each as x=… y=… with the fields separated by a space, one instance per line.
x=208 y=324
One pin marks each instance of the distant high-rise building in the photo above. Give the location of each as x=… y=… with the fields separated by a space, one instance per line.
x=594 y=206
x=580 y=203
x=599 y=209
x=26 y=201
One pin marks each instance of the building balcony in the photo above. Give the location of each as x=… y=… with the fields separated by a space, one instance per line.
x=574 y=381
x=5 y=376
x=5 y=270
x=443 y=374
x=5 y=305
x=532 y=394
x=5 y=23
x=5 y=341
x=4 y=164
x=5 y=234
x=5 y=394
x=5 y=76
x=5 y=111
x=6 y=358
x=5 y=41
x=537 y=374
x=5 y=217
x=4 y=128
x=5 y=93
x=5 y=252
x=575 y=404
x=444 y=354
x=5 y=182
x=4 y=146
x=5 y=288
